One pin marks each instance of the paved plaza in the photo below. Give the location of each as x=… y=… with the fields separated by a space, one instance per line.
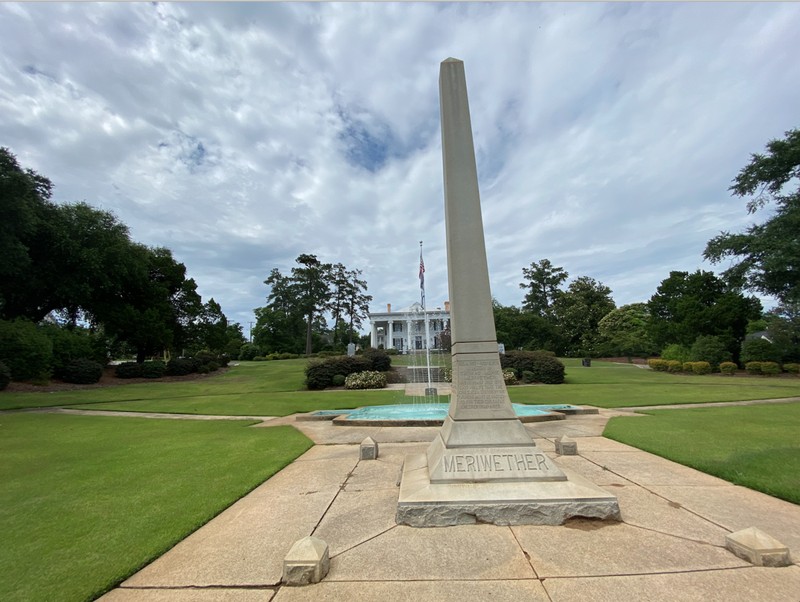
x=670 y=544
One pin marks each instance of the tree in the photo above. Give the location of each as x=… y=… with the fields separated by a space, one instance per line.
x=624 y=331
x=209 y=329
x=686 y=306
x=518 y=329
x=543 y=285
x=312 y=282
x=768 y=254
x=578 y=311
x=783 y=325
x=280 y=325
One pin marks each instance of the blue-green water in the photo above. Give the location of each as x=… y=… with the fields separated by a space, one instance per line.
x=429 y=411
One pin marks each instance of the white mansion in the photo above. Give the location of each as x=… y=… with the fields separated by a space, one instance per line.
x=404 y=329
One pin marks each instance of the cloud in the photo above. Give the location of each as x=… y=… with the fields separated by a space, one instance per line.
x=241 y=135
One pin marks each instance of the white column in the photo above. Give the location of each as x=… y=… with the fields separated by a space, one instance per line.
x=388 y=342
x=408 y=334
x=373 y=336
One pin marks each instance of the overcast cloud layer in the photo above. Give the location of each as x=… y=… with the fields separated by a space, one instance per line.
x=241 y=135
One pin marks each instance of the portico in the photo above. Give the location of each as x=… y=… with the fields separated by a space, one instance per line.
x=404 y=329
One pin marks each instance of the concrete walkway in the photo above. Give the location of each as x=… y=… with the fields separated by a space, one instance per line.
x=669 y=545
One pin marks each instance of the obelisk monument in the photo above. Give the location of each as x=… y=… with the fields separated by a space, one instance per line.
x=483 y=464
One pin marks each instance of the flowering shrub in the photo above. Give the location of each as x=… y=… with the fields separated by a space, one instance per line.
x=509 y=377
x=728 y=368
x=369 y=379
x=447 y=375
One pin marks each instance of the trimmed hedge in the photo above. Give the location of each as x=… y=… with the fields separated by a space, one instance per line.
x=5 y=376
x=338 y=380
x=128 y=370
x=658 y=365
x=153 y=369
x=369 y=379
x=378 y=359
x=753 y=367
x=180 y=366
x=544 y=366
x=674 y=366
x=770 y=368
x=82 y=372
x=320 y=372
x=792 y=368
x=728 y=368
x=701 y=367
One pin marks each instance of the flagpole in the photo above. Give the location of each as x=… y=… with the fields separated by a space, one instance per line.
x=425 y=316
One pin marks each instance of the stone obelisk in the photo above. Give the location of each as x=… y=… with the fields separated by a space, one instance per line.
x=483 y=464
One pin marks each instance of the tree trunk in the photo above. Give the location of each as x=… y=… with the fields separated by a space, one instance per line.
x=308 y=333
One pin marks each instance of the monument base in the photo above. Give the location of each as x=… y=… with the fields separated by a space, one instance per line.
x=426 y=504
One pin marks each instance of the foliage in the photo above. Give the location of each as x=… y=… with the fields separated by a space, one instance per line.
x=128 y=370
x=25 y=349
x=249 y=351
x=518 y=329
x=686 y=306
x=759 y=350
x=74 y=343
x=700 y=367
x=770 y=368
x=728 y=368
x=767 y=254
x=543 y=286
x=677 y=352
x=753 y=367
x=791 y=368
x=180 y=366
x=153 y=369
x=379 y=360
x=659 y=365
x=320 y=372
x=369 y=379
x=82 y=371
x=543 y=367
x=710 y=349
x=349 y=302
x=510 y=378
x=338 y=380
x=578 y=311
x=674 y=366
x=783 y=324
x=5 y=376
x=624 y=332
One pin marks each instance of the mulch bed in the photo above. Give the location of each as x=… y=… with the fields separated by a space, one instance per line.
x=107 y=380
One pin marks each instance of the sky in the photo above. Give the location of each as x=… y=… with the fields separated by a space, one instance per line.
x=243 y=135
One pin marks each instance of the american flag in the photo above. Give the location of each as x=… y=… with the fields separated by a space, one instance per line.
x=421 y=272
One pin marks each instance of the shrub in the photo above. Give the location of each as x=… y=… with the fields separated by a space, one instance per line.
x=128 y=370
x=320 y=372
x=447 y=375
x=260 y=358
x=709 y=349
x=25 y=350
x=287 y=356
x=249 y=351
x=728 y=368
x=676 y=352
x=687 y=366
x=223 y=359
x=544 y=366
x=674 y=366
x=179 y=366
x=657 y=364
x=153 y=369
x=528 y=376
x=82 y=371
x=338 y=380
x=792 y=368
x=753 y=367
x=391 y=351
x=369 y=379
x=701 y=367
x=72 y=344
x=379 y=360
x=770 y=368
x=509 y=377
x=5 y=376
x=760 y=350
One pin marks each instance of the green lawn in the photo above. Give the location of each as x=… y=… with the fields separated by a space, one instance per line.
x=86 y=501
x=754 y=446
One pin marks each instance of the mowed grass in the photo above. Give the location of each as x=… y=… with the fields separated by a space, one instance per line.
x=609 y=385
x=755 y=446
x=86 y=501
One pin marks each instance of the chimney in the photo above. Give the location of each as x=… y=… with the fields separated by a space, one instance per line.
x=388 y=308
x=447 y=306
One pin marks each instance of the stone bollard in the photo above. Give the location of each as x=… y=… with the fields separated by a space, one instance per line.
x=307 y=562
x=566 y=446
x=758 y=548
x=369 y=449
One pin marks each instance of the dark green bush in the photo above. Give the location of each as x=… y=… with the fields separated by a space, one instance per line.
x=770 y=368
x=320 y=372
x=528 y=376
x=25 y=350
x=760 y=350
x=391 y=351
x=287 y=356
x=82 y=371
x=379 y=360
x=728 y=368
x=249 y=351
x=153 y=369
x=180 y=366
x=675 y=352
x=261 y=358
x=223 y=359
x=544 y=367
x=72 y=344
x=128 y=370
x=5 y=376
x=338 y=380
x=709 y=349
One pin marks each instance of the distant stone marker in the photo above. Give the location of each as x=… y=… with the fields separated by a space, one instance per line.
x=483 y=465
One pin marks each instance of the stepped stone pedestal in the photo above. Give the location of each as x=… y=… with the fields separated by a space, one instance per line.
x=483 y=465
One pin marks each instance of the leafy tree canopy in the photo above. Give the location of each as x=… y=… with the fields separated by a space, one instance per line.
x=767 y=255
x=543 y=285
x=578 y=311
